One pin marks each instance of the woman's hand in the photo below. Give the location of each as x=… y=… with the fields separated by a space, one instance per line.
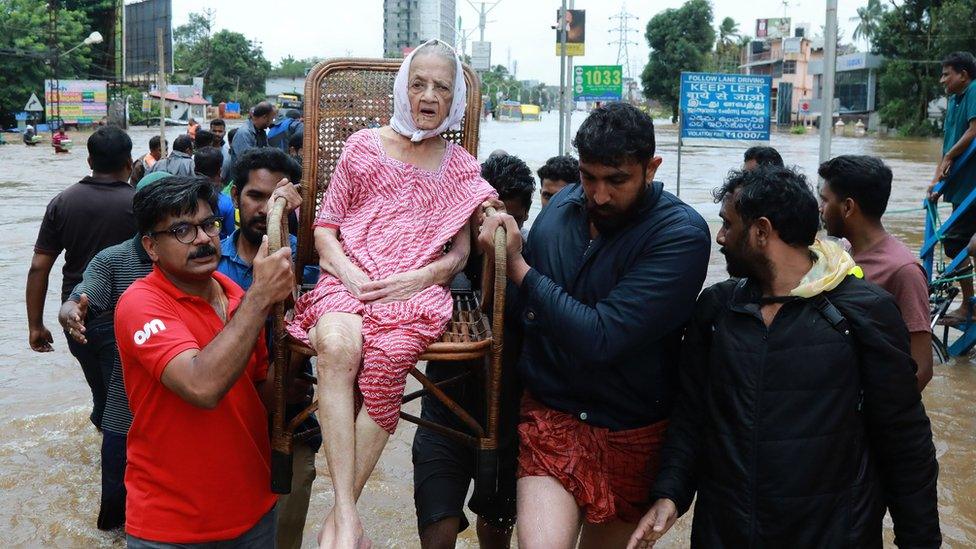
x=399 y=287
x=354 y=279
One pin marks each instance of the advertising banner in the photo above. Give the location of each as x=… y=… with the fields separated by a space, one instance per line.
x=773 y=28
x=575 y=26
x=82 y=101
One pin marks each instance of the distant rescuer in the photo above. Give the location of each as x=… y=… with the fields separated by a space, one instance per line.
x=81 y=221
x=608 y=279
x=958 y=72
x=799 y=420
x=195 y=364
x=853 y=197
x=557 y=173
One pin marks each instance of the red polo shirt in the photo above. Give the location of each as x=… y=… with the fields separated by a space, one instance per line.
x=193 y=475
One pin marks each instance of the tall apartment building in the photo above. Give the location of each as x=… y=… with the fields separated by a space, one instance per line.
x=409 y=23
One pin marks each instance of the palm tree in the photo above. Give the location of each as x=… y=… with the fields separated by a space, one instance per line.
x=867 y=21
x=728 y=33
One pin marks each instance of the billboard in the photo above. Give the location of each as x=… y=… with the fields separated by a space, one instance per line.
x=141 y=21
x=82 y=101
x=575 y=27
x=773 y=28
x=481 y=56
x=725 y=106
x=597 y=82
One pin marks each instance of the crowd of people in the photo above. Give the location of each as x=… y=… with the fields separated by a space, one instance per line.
x=784 y=402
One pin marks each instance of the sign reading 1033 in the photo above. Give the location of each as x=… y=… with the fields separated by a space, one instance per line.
x=597 y=82
x=725 y=106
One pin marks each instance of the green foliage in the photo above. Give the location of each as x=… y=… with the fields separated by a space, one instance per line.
x=233 y=68
x=498 y=79
x=868 y=18
x=25 y=54
x=289 y=67
x=680 y=40
x=798 y=130
x=912 y=37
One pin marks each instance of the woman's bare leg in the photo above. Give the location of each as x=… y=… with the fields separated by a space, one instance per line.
x=370 y=441
x=337 y=339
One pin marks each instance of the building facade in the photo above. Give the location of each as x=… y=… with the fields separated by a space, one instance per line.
x=788 y=61
x=409 y=23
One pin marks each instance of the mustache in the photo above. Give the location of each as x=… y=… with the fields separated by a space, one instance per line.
x=203 y=251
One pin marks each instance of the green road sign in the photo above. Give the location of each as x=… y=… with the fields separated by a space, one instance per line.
x=597 y=82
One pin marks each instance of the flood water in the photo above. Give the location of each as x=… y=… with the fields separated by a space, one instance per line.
x=49 y=452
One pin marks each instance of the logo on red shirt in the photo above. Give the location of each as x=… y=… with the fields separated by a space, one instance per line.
x=154 y=326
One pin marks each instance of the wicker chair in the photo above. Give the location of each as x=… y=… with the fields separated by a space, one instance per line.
x=343 y=96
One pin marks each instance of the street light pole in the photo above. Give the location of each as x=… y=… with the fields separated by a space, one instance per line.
x=830 y=69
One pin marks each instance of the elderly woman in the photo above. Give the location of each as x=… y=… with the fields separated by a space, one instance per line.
x=398 y=195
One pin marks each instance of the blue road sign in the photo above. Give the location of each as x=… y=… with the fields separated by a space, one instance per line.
x=725 y=106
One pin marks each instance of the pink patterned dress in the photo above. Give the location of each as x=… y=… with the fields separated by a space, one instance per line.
x=392 y=217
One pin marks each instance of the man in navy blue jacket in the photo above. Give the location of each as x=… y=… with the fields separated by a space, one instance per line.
x=607 y=280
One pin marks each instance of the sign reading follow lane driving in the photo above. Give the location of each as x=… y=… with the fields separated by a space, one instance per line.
x=725 y=106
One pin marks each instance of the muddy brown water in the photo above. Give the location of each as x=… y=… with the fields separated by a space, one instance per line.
x=49 y=452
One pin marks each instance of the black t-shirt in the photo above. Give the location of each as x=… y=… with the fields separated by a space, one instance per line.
x=82 y=220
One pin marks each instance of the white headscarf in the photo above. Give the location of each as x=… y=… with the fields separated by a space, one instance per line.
x=402 y=121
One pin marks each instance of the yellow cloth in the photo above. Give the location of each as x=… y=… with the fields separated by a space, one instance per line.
x=833 y=265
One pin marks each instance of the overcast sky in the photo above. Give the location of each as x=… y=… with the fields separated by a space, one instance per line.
x=518 y=29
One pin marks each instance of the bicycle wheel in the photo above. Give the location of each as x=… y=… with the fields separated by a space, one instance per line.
x=940 y=353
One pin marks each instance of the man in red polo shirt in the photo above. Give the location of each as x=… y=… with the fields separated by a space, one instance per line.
x=194 y=364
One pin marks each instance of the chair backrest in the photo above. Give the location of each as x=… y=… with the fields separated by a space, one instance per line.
x=343 y=96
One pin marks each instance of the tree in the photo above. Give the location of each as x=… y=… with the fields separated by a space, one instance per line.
x=728 y=33
x=867 y=21
x=728 y=47
x=680 y=40
x=289 y=67
x=912 y=36
x=25 y=54
x=232 y=67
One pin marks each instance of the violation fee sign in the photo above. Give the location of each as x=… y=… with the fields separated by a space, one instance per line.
x=597 y=82
x=725 y=106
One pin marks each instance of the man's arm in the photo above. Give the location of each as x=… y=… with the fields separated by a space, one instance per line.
x=37 y=278
x=657 y=295
x=960 y=147
x=921 y=344
x=203 y=376
x=898 y=429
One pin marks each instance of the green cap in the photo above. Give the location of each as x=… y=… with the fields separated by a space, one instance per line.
x=155 y=176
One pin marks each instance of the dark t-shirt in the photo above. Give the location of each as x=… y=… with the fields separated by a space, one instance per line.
x=82 y=220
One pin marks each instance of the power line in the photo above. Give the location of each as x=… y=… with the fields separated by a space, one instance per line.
x=623 y=30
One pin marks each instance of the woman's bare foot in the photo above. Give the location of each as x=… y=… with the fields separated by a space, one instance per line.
x=349 y=531
x=327 y=534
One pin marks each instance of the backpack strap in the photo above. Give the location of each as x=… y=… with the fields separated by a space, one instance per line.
x=831 y=314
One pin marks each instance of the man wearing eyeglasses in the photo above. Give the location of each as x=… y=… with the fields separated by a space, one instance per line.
x=195 y=365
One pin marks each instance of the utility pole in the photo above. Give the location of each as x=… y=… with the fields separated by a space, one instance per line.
x=52 y=10
x=830 y=69
x=570 y=77
x=561 y=28
x=623 y=40
x=161 y=86
x=482 y=14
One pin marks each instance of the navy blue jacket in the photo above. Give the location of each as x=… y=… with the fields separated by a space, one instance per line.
x=603 y=319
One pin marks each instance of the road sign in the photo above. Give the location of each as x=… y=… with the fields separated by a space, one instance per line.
x=804 y=107
x=597 y=82
x=34 y=104
x=725 y=106
x=481 y=56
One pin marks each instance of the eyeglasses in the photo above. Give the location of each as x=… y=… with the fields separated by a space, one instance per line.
x=186 y=233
